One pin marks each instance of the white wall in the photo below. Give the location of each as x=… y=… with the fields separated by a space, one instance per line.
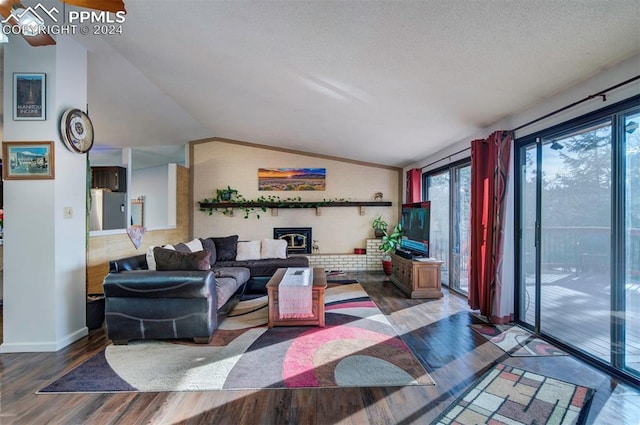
x=338 y=230
x=152 y=183
x=44 y=253
x=607 y=78
x=70 y=191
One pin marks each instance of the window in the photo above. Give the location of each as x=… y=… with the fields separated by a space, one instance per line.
x=449 y=191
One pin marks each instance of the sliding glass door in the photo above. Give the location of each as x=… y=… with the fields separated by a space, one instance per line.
x=439 y=192
x=461 y=227
x=575 y=238
x=449 y=191
x=631 y=134
x=579 y=237
x=528 y=298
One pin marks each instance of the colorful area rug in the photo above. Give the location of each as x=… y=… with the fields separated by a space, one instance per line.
x=357 y=348
x=508 y=395
x=341 y=281
x=517 y=342
x=338 y=277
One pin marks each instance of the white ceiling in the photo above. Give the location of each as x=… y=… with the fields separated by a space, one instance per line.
x=388 y=82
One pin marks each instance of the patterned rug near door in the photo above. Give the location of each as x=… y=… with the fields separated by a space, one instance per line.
x=357 y=348
x=516 y=341
x=508 y=395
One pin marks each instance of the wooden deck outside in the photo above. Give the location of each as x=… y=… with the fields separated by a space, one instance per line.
x=576 y=309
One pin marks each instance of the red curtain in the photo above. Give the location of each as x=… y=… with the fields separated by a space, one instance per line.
x=489 y=174
x=413 y=194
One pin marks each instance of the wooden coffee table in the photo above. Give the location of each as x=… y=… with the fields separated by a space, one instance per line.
x=317 y=291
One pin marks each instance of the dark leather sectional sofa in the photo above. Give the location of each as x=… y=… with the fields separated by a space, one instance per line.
x=175 y=304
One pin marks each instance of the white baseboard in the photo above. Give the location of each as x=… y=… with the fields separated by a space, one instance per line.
x=43 y=347
x=72 y=337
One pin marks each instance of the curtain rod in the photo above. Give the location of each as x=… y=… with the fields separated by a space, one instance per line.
x=602 y=94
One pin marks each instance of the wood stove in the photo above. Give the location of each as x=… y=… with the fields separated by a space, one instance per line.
x=298 y=239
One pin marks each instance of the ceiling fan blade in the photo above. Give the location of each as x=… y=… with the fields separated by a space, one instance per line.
x=37 y=40
x=40 y=40
x=106 y=5
x=6 y=6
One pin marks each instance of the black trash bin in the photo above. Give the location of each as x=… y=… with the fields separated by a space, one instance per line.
x=95 y=311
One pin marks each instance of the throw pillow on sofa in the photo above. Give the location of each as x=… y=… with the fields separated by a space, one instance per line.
x=151 y=260
x=226 y=248
x=248 y=250
x=191 y=246
x=273 y=248
x=209 y=245
x=167 y=259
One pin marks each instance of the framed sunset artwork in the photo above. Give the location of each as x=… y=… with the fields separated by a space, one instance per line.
x=282 y=179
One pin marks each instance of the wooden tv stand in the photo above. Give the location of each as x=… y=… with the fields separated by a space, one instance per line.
x=417 y=279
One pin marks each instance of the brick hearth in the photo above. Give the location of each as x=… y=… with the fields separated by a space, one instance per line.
x=371 y=261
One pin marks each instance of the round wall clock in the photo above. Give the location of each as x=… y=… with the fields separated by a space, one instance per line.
x=76 y=130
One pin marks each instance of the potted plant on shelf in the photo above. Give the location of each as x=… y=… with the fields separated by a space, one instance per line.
x=379 y=226
x=225 y=195
x=390 y=241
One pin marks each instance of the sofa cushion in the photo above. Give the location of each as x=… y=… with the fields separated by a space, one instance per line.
x=151 y=260
x=209 y=245
x=273 y=248
x=226 y=247
x=225 y=288
x=248 y=250
x=182 y=247
x=191 y=246
x=167 y=259
x=266 y=267
x=240 y=274
x=195 y=245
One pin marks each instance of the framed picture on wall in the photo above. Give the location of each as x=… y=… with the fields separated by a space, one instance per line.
x=29 y=96
x=292 y=178
x=27 y=160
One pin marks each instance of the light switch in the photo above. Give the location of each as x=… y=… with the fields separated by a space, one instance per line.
x=68 y=212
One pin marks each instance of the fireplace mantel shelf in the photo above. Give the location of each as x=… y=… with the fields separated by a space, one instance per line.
x=296 y=204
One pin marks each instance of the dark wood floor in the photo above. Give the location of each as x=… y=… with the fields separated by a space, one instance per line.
x=437 y=331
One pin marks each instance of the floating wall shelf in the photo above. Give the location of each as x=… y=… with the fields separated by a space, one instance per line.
x=295 y=204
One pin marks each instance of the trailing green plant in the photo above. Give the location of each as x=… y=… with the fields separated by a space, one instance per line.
x=224 y=195
x=275 y=199
x=391 y=241
x=236 y=200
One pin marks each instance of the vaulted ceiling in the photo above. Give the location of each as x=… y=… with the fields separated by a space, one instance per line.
x=381 y=81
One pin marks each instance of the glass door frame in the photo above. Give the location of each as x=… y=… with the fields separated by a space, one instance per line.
x=452 y=169
x=616 y=114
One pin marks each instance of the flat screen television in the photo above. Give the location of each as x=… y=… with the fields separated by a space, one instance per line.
x=415 y=223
